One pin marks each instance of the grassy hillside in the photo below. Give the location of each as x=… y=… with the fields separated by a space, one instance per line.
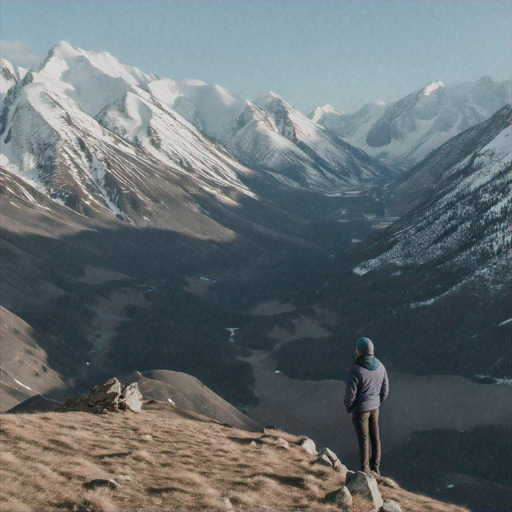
x=164 y=459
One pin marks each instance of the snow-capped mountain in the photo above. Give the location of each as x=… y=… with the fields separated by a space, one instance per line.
x=92 y=79
x=350 y=126
x=270 y=135
x=419 y=184
x=323 y=111
x=10 y=75
x=462 y=220
x=94 y=133
x=120 y=162
x=403 y=133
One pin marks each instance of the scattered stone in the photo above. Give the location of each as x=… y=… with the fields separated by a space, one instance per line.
x=283 y=443
x=343 y=498
x=101 y=482
x=327 y=451
x=327 y=457
x=391 y=506
x=227 y=503
x=253 y=443
x=146 y=437
x=323 y=460
x=364 y=485
x=339 y=466
x=110 y=396
x=309 y=446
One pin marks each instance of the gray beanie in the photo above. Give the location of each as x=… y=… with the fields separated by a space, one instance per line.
x=365 y=345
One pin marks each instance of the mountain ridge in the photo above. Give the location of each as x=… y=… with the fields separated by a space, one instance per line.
x=402 y=133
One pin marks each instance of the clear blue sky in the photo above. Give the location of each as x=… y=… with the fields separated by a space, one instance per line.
x=310 y=52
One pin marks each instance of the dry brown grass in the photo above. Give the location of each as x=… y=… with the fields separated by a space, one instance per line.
x=163 y=461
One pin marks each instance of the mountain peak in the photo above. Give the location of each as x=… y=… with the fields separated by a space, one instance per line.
x=485 y=80
x=319 y=111
x=429 y=89
x=64 y=49
x=269 y=97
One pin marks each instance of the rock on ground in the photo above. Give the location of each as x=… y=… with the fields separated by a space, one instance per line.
x=343 y=498
x=327 y=457
x=309 y=446
x=391 y=506
x=364 y=485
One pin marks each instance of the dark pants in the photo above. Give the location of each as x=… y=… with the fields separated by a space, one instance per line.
x=367 y=430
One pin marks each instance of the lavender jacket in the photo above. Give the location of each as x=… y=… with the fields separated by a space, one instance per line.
x=367 y=385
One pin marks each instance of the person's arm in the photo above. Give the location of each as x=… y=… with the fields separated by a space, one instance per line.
x=350 y=389
x=384 y=389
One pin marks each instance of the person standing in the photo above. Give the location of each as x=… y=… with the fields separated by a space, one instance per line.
x=367 y=386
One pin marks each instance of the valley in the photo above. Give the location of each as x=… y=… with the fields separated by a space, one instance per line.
x=150 y=224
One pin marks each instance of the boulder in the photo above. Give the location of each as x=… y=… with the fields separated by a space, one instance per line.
x=391 y=506
x=309 y=446
x=343 y=498
x=226 y=502
x=364 y=485
x=110 y=396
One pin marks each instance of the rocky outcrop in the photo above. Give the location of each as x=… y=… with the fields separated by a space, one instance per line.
x=366 y=486
x=108 y=397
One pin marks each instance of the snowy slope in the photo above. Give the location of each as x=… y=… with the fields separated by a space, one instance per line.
x=93 y=79
x=9 y=75
x=269 y=135
x=433 y=289
x=336 y=161
x=463 y=224
x=420 y=183
x=403 y=133
x=322 y=111
x=118 y=163
x=169 y=138
x=351 y=127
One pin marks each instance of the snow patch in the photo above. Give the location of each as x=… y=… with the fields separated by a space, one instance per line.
x=22 y=385
x=432 y=87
